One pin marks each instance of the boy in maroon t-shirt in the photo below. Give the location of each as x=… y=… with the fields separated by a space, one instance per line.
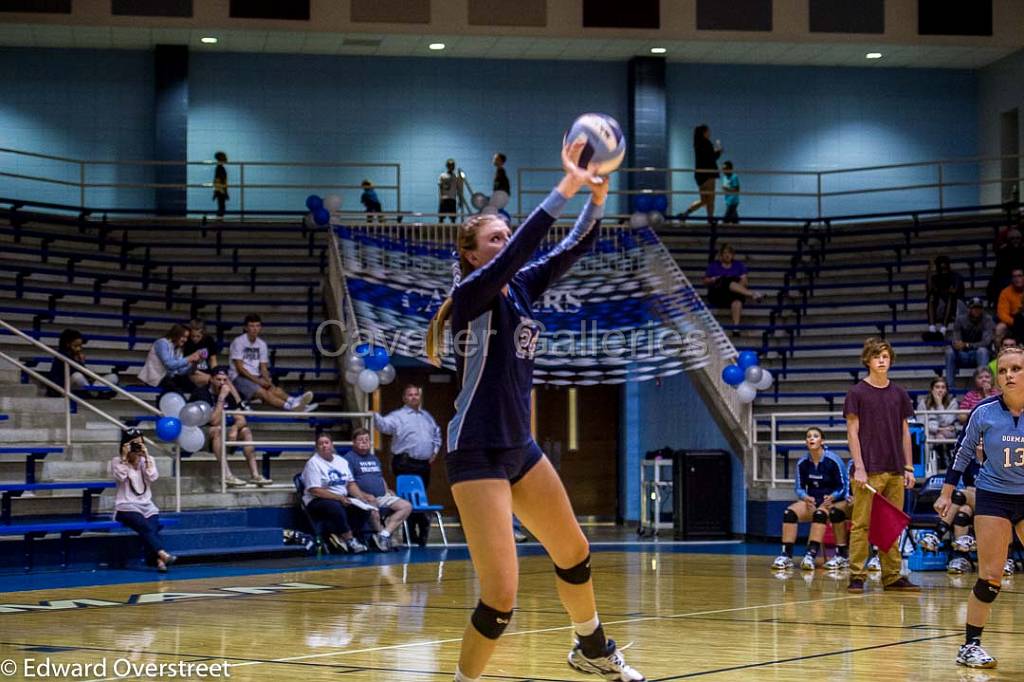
x=876 y=411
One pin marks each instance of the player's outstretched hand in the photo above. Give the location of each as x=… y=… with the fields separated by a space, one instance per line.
x=575 y=177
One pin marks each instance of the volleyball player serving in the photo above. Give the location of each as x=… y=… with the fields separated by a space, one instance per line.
x=999 y=497
x=493 y=463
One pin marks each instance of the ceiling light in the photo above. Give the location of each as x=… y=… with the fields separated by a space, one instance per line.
x=873 y=55
x=436 y=46
x=209 y=40
x=658 y=50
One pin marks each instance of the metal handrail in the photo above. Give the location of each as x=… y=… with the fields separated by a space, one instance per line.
x=69 y=396
x=774 y=441
x=225 y=443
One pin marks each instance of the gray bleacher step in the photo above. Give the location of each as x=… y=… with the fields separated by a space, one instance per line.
x=56 y=435
x=14 y=390
x=31 y=404
x=215 y=500
x=32 y=420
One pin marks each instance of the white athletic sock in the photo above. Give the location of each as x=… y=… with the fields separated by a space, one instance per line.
x=385 y=534
x=462 y=677
x=588 y=628
x=290 y=403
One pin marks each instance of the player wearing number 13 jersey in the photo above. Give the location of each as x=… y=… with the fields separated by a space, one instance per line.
x=999 y=501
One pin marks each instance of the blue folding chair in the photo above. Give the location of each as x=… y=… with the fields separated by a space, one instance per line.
x=317 y=527
x=411 y=488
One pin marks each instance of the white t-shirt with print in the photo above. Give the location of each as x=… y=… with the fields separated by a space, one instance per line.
x=334 y=475
x=250 y=353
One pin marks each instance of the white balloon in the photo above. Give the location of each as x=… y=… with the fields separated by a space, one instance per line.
x=386 y=375
x=746 y=393
x=478 y=200
x=207 y=409
x=654 y=218
x=766 y=380
x=191 y=438
x=191 y=415
x=355 y=363
x=368 y=381
x=332 y=202
x=171 y=404
x=499 y=199
x=753 y=375
x=352 y=376
x=638 y=220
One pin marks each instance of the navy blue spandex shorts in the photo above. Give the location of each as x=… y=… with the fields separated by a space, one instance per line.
x=507 y=463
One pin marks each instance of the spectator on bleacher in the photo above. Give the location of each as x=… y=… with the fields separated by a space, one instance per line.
x=415 y=442
x=70 y=344
x=726 y=279
x=1007 y=342
x=1008 y=309
x=821 y=490
x=1009 y=257
x=370 y=201
x=168 y=368
x=972 y=340
x=705 y=163
x=135 y=471
x=731 y=190
x=220 y=183
x=942 y=426
x=325 y=478
x=198 y=339
x=250 y=371
x=945 y=292
x=983 y=388
x=369 y=486
x=876 y=411
x=221 y=395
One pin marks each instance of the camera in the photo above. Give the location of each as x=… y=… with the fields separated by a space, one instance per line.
x=135 y=446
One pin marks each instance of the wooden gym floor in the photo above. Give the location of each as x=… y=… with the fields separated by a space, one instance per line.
x=711 y=616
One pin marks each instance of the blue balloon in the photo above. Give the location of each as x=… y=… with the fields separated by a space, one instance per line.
x=748 y=358
x=644 y=203
x=313 y=202
x=660 y=203
x=377 y=359
x=321 y=216
x=732 y=375
x=168 y=428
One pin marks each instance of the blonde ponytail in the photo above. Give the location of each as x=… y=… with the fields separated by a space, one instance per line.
x=435 y=333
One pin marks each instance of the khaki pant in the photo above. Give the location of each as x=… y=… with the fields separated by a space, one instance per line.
x=890 y=486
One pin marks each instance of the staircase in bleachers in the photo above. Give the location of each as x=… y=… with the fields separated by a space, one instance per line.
x=830 y=289
x=122 y=286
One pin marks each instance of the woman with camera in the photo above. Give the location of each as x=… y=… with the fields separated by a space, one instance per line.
x=134 y=470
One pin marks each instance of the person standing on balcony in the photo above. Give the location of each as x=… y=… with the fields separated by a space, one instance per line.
x=705 y=161
x=220 y=183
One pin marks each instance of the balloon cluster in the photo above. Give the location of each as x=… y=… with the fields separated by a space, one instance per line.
x=494 y=204
x=181 y=422
x=321 y=210
x=747 y=376
x=648 y=209
x=369 y=367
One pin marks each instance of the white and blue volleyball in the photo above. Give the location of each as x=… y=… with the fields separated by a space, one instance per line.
x=606 y=145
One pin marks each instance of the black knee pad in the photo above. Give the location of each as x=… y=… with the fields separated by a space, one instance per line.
x=819 y=516
x=985 y=591
x=789 y=516
x=490 y=622
x=836 y=515
x=962 y=520
x=958 y=497
x=577 y=575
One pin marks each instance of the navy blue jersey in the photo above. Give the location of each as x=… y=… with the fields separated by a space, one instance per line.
x=827 y=477
x=495 y=338
x=1002 y=438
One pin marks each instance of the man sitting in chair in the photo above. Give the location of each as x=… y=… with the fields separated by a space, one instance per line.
x=368 y=486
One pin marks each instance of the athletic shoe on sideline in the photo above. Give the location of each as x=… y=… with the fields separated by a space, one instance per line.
x=874 y=565
x=1009 y=568
x=355 y=546
x=381 y=542
x=807 y=563
x=965 y=543
x=958 y=566
x=782 y=563
x=929 y=542
x=837 y=563
x=611 y=666
x=973 y=656
x=901 y=585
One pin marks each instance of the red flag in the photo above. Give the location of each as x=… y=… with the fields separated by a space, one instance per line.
x=887 y=522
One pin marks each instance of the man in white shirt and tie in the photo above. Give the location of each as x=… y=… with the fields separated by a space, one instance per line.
x=415 y=442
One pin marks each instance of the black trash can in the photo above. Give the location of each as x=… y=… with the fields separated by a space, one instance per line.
x=702 y=482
